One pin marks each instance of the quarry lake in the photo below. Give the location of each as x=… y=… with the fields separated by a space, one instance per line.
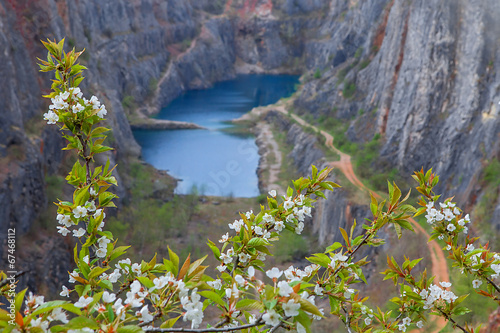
x=218 y=160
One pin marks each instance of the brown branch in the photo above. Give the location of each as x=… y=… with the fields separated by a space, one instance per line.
x=492 y=284
x=347 y=321
x=6 y=281
x=201 y=330
x=453 y=321
x=275 y=327
x=350 y=255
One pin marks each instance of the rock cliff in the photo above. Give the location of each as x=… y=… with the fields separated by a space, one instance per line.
x=420 y=73
x=424 y=75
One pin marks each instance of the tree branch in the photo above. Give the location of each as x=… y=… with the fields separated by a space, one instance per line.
x=347 y=322
x=6 y=281
x=492 y=284
x=453 y=321
x=206 y=330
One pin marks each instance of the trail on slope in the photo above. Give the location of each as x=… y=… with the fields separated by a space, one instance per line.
x=439 y=266
x=266 y=135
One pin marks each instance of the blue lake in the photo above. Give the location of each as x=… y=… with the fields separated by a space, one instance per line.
x=213 y=160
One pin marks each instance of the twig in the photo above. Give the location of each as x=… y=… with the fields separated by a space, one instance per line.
x=222 y=322
x=201 y=330
x=6 y=281
x=492 y=284
x=453 y=321
x=275 y=327
x=347 y=322
x=350 y=255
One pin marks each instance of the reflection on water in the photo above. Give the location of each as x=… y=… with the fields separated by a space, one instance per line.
x=214 y=160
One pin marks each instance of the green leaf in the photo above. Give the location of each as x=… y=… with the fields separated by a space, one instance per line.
x=105 y=198
x=81 y=196
x=314 y=171
x=117 y=252
x=82 y=322
x=213 y=296
x=344 y=235
x=19 y=299
x=398 y=230
x=320 y=259
x=130 y=329
x=49 y=306
x=174 y=258
x=96 y=271
x=333 y=247
x=169 y=323
x=461 y=310
x=309 y=307
x=257 y=241
x=106 y=284
x=214 y=248
x=146 y=281
x=249 y=305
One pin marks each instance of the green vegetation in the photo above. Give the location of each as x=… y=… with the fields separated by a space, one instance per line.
x=349 y=90
x=492 y=173
x=364 y=64
x=359 y=52
x=185 y=44
x=152 y=85
x=483 y=212
x=317 y=74
x=128 y=103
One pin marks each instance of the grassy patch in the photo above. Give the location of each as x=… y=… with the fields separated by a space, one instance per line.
x=128 y=103
x=483 y=211
x=349 y=90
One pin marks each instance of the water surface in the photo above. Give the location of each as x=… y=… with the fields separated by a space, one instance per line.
x=212 y=160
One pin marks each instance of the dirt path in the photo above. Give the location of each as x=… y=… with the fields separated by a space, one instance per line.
x=439 y=266
x=266 y=135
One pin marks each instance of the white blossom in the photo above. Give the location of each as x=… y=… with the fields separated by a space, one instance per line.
x=79 y=233
x=271 y=318
x=318 y=290
x=108 y=297
x=274 y=273
x=291 y=308
x=51 y=117
x=77 y=108
x=63 y=230
x=348 y=292
x=144 y=314
x=279 y=226
x=83 y=302
x=216 y=284
x=299 y=228
x=79 y=211
x=224 y=238
x=64 y=292
x=288 y=204
x=102 y=112
x=272 y=193
x=58 y=314
x=284 y=289
x=243 y=257
x=476 y=284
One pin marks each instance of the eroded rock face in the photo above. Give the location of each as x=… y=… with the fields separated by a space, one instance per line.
x=423 y=72
x=424 y=78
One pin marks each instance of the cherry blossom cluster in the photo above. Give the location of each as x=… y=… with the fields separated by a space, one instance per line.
x=435 y=295
x=449 y=215
x=73 y=101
